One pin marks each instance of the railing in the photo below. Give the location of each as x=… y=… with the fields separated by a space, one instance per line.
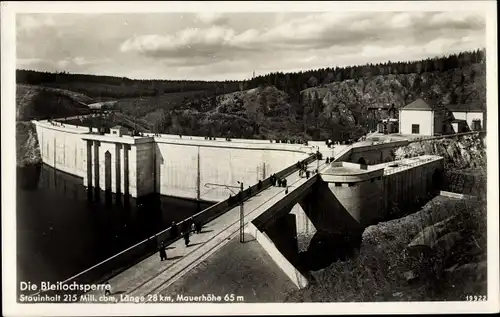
x=112 y=266
x=343 y=153
x=446 y=136
x=404 y=166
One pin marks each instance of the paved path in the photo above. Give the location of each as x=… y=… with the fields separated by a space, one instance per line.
x=152 y=275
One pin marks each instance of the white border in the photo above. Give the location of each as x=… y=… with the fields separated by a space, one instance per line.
x=10 y=307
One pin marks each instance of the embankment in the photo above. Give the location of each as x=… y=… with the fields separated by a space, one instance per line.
x=27 y=148
x=438 y=253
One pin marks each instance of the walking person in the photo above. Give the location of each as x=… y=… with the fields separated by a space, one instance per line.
x=186 y=238
x=163 y=252
x=193 y=226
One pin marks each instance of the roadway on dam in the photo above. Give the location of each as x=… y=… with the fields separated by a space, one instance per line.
x=152 y=276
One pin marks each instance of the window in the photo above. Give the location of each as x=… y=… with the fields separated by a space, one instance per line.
x=415 y=128
x=476 y=125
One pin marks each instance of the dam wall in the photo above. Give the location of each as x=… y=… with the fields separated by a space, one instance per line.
x=175 y=166
x=219 y=163
x=62 y=147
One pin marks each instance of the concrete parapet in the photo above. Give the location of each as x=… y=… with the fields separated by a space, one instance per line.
x=345 y=172
x=456 y=195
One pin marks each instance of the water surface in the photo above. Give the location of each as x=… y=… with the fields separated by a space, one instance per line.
x=61 y=232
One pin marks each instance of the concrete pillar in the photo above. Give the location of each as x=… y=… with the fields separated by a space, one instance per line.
x=118 y=169
x=96 y=164
x=89 y=164
x=126 y=148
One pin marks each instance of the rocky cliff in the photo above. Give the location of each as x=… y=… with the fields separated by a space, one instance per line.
x=461 y=152
x=336 y=110
x=348 y=102
x=27 y=149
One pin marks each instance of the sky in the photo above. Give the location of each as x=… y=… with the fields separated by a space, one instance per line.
x=231 y=46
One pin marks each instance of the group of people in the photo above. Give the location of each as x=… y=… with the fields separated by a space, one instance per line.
x=55 y=123
x=213 y=138
x=188 y=227
x=330 y=159
x=303 y=142
x=331 y=143
x=280 y=182
x=302 y=166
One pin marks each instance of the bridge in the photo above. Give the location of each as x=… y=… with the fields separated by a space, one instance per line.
x=342 y=196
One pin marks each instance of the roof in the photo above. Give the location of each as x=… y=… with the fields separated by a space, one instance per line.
x=465 y=108
x=119 y=127
x=419 y=104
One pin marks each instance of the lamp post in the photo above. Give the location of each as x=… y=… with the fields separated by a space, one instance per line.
x=242 y=214
x=317 y=160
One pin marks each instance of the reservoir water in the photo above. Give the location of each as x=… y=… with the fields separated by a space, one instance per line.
x=61 y=232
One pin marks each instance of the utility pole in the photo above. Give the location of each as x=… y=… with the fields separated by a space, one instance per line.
x=242 y=215
x=317 y=160
x=198 y=178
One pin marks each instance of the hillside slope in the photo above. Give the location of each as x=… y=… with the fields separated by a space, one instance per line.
x=34 y=102
x=337 y=110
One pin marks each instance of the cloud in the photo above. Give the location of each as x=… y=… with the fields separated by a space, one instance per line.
x=214 y=45
x=310 y=32
x=75 y=64
x=192 y=43
x=213 y=18
x=30 y=22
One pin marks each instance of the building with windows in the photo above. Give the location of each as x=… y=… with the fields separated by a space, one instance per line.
x=119 y=130
x=466 y=117
x=423 y=118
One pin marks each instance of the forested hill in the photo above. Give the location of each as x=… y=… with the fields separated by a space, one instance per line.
x=316 y=104
x=293 y=83
x=107 y=87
